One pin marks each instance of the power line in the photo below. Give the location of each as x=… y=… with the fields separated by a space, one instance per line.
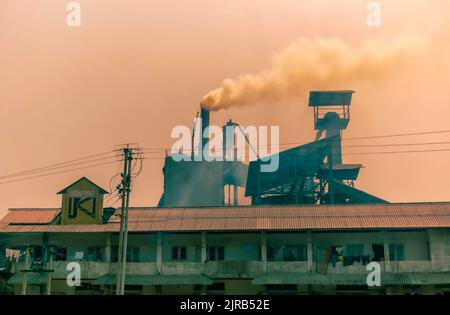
x=52 y=166
x=344 y=139
x=58 y=167
x=59 y=172
x=400 y=152
x=355 y=153
x=395 y=144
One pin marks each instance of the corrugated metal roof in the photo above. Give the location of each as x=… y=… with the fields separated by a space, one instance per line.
x=313 y=278
x=30 y=216
x=389 y=216
x=32 y=278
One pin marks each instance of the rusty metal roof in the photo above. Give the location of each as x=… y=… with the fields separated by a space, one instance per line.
x=252 y=218
x=30 y=216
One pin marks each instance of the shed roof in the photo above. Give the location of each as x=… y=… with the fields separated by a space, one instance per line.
x=100 y=189
x=251 y=218
x=30 y=216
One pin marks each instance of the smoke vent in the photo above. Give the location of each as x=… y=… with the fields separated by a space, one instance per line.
x=331 y=114
x=204 y=115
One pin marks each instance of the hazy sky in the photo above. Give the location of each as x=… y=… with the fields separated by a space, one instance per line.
x=135 y=69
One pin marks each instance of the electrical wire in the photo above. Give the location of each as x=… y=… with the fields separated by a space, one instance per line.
x=59 y=172
x=355 y=153
x=344 y=146
x=344 y=139
x=53 y=165
x=58 y=167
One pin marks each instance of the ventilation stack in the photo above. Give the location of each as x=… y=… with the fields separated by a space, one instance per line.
x=332 y=115
x=204 y=140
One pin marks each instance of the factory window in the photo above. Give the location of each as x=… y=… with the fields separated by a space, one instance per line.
x=396 y=252
x=179 y=253
x=216 y=253
x=37 y=257
x=133 y=254
x=95 y=253
x=378 y=252
x=60 y=254
x=270 y=255
x=286 y=253
x=36 y=253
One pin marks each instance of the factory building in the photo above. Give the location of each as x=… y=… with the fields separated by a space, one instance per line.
x=301 y=249
x=308 y=229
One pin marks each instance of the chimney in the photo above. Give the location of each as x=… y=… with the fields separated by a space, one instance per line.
x=204 y=115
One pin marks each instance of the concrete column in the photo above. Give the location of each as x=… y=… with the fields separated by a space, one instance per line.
x=387 y=258
x=159 y=252
x=108 y=248
x=264 y=250
x=309 y=250
x=203 y=253
x=430 y=251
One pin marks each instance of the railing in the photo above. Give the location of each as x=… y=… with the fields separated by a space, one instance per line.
x=229 y=269
x=233 y=269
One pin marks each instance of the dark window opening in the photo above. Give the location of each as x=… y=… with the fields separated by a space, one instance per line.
x=133 y=254
x=183 y=253
x=396 y=252
x=60 y=254
x=216 y=253
x=286 y=253
x=179 y=253
x=378 y=252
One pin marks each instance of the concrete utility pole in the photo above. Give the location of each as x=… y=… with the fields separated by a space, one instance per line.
x=123 y=237
x=24 y=279
x=49 y=275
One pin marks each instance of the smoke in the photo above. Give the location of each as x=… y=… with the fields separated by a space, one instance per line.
x=322 y=64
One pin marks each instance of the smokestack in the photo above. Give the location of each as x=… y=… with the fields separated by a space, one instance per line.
x=204 y=115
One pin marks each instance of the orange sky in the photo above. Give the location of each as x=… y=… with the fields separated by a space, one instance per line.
x=135 y=69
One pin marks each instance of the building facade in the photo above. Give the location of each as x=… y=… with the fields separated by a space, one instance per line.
x=305 y=249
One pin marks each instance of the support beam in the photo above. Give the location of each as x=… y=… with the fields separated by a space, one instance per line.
x=108 y=247
x=387 y=258
x=203 y=253
x=309 y=251
x=26 y=267
x=264 y=250
x=159 y=253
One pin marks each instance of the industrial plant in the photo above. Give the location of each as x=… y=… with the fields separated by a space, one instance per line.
x=307 y=229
